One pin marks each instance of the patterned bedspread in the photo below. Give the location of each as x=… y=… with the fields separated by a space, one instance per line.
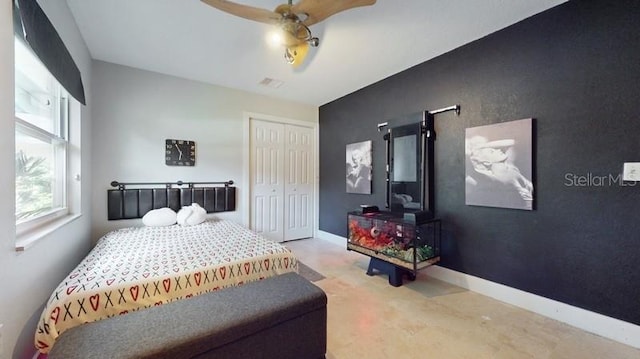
x=136 y=268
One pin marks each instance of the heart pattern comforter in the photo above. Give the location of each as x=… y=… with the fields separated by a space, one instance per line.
x=136 y=268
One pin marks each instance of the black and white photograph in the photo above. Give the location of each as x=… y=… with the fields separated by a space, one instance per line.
x=359 y=167
x=499 y=165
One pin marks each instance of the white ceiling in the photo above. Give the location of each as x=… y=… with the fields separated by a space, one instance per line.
x=189 y=39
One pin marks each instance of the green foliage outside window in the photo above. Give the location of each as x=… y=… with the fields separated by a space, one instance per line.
x=34 y=179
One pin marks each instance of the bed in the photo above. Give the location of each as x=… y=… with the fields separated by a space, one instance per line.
x=140 y=267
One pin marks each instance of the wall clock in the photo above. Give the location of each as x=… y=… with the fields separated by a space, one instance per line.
x=180 y=153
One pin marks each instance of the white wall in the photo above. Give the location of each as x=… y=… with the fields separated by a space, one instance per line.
x=129 y=114
x=27 y=278
x=134 y=111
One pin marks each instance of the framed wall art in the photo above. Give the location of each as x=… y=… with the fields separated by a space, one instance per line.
x=499 y=165
x=358 y=167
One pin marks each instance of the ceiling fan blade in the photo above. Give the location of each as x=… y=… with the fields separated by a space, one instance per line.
x=318 y=10
x=245 y=11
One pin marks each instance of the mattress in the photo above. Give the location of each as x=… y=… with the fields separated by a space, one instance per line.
x=136 y=268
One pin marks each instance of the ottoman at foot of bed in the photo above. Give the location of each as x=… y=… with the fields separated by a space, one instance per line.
x=279 y=317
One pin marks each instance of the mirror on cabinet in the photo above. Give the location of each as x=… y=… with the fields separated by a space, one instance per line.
x=410 y=166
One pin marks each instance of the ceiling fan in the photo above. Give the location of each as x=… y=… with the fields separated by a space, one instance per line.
x=293 y=20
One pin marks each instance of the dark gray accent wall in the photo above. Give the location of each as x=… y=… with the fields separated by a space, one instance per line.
x=574 y=68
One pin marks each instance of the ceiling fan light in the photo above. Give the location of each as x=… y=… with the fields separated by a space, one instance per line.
x=275 y=38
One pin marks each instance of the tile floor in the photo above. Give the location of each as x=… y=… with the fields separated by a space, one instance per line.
x=428 y=318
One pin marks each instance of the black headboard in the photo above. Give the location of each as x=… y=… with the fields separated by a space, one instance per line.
x=128 y=203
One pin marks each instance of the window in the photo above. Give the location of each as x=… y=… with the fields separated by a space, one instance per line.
x=41 y=116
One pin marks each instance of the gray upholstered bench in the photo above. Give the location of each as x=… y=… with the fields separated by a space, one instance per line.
x=280 y=317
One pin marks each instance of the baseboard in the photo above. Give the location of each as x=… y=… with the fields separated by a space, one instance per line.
x=332 y=238
x=586 y=320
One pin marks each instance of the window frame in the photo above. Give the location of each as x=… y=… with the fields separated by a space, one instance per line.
x=59 y=139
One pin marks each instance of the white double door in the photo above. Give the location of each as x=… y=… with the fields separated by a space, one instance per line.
x=281 y=180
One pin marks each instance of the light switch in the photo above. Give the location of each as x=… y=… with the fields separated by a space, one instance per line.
x=631 y=171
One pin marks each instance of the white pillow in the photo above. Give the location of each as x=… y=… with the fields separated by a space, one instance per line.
x=199 y=215
x=191 y=215
x=184 y=213
x=159 y=217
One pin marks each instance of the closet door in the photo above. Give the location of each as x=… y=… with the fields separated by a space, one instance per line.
x=298 y=184
x=282 y=184
x=267 y=179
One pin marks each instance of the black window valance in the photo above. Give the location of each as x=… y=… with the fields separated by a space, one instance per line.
x=32 y=24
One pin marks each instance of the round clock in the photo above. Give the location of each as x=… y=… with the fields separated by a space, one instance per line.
x=180 y=153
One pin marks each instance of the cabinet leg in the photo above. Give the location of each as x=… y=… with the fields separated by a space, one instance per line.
x=376 y=265
x=371 y=268
x=395 y=276
x=394 y=272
